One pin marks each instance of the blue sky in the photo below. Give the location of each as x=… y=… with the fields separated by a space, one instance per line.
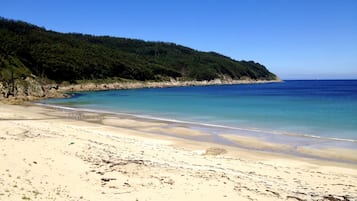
x=312 y=39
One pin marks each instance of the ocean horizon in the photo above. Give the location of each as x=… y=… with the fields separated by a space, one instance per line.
x=320 y=109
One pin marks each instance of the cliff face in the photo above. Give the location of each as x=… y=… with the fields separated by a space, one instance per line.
x=27 y=89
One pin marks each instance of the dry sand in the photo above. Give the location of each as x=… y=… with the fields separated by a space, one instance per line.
x=50 y=154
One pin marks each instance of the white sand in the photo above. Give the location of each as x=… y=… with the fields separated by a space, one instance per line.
x=47 y=154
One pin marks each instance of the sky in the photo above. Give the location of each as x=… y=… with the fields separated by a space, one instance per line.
x=295 y=39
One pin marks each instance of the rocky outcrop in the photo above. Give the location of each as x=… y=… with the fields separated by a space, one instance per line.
x=152 y=84
x=30 y=89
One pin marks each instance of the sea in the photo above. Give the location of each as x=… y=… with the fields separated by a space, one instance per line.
x=293 y=110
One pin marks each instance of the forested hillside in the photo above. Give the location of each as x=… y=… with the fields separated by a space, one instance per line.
x=27 y=49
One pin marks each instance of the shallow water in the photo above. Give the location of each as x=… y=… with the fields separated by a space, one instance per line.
x=321 y=108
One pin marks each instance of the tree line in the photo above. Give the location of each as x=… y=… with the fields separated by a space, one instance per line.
x=27 y=49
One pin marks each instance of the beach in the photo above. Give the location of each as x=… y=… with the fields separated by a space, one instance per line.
x=57 y=154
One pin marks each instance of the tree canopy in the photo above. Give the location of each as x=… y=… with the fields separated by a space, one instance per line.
x=28 y=49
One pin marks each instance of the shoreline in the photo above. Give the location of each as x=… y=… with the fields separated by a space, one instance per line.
x=37 y=91
x=153 y=84
x=53 y=154
x=293 y=143
x=251 y=139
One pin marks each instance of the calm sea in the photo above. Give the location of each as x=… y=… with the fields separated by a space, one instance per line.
x=324 y=108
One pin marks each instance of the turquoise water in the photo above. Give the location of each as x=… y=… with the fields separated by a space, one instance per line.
x=324 y=108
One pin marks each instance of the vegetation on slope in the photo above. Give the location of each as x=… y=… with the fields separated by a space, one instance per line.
x=27 y=49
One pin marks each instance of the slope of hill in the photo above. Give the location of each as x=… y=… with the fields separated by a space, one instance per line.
x=28 y=50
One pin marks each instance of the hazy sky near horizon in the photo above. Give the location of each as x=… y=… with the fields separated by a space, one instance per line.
x=292 y=38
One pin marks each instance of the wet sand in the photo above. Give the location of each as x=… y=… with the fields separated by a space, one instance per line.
x=54 y=154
